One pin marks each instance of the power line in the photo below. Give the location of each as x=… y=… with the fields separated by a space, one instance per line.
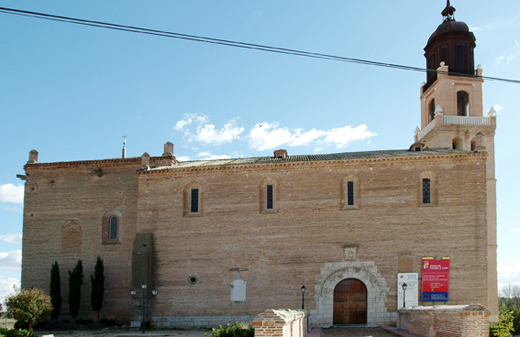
x=229 y=43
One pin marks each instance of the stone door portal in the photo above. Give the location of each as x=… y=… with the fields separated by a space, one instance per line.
x=350 y=302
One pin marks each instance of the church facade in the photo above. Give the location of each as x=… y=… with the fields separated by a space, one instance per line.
x=223 y=240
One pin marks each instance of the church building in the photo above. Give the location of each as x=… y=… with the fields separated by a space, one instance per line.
x=223 y=240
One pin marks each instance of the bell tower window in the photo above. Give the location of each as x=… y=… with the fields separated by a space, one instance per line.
x=462 y=103
x=431 y=110
x=461 y=55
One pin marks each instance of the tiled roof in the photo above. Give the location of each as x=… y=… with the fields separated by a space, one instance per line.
x=310 y=157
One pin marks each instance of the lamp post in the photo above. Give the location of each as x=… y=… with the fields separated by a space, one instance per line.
x=133 y=292
x=303 y=297
x=404 y=294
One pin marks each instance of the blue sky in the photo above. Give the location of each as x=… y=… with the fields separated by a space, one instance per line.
x=71 y=91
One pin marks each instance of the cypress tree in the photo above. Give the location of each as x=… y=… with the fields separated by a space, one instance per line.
x=55 y=290
x=75 y=283
x=98 y=287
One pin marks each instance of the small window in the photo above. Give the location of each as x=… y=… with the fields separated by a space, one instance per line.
x=194 y=200
x=269 y=196
x=114 y=228
x=193 y=194
x=444 y=55
x=426 y=193
x=431 y=111
x=350 y=193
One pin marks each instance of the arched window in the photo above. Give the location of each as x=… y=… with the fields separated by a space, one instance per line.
x=457 y=144
x=113 y=228
x=474 y=144
x=71 y=237
x=431 y=110
x=111 y=223
x=462 y=103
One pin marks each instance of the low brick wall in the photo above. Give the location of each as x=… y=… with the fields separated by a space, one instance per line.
x=198 y=322
x=446 y=321
x=281 y=323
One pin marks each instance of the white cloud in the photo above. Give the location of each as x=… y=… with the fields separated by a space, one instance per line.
x=188 y=120
x=209 y=156
x=498 y=60
x=509 y=272
x=11 y=193
x=11 y=260
x=11 y=238
x=7 y=287
x=207 y=133
x=497 y=107
x=265 y=136
x=515 y=230
x=183 y=158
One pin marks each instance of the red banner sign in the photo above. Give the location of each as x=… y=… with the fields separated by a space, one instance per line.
x=435 y=279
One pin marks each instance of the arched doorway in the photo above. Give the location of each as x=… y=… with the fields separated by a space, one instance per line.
x=350 y=302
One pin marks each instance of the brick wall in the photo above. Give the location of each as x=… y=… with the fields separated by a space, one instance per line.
x=446 y=321
x=281 y=323
x=282 y=250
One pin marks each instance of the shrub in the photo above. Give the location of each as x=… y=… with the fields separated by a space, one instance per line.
x=16 y=333
x=28 y=306
x=237 y=330
x=504 y=326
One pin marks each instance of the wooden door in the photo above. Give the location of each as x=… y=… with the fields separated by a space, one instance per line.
x=350 y=302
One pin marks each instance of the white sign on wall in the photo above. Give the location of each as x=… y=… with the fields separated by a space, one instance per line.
x=412 y=290
x=238 y=290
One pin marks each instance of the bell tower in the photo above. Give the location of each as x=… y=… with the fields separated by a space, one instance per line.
x=452 y=116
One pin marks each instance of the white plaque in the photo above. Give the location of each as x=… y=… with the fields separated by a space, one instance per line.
x=412 y=290
x=238 y=291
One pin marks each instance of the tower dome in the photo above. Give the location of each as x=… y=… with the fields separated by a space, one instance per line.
x=451 y=43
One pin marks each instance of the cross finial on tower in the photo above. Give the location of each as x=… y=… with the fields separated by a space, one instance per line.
x=449 y=12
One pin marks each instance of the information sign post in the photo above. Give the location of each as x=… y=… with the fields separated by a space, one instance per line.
x=435 y=279
x=410 y=292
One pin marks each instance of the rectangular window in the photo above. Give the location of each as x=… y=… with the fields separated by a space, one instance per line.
x=350 y=193
x=194 y=200
x=269 y=196
x=426 y=191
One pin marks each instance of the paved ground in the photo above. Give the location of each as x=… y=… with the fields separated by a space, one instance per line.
x=332 y=332
x=125 y=333
x=356 y=332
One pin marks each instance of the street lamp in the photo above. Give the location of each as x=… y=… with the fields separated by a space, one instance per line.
x=404 y=294
x=303 y=297
x=133 y=292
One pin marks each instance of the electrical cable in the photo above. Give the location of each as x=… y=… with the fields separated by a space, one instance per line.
x=229 y=43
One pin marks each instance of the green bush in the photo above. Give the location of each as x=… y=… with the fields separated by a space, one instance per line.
x=237 y=330
x=504 y=326
x=4 y=332
x=28 y=306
